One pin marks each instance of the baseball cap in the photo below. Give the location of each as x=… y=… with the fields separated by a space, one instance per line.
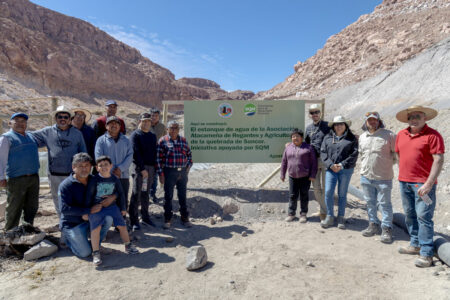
x=19 y=114
x=112 y=119
x=111 y=102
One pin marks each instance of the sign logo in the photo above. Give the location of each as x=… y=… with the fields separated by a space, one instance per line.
x=250 y=109
x=225 y=110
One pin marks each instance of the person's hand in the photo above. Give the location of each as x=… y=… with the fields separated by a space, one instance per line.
x=117 y=172
x=282 y=179
x=85 y=217
x=3 y=183
x=108 y=200
x=144 y=173
x=161 y=178
x=336 y=168
x=311 y=179
x=124 y=213
x=424 y=189
x=96 y=208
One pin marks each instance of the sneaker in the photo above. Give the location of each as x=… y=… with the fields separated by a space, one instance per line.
x=136 y=227
x=409 y=250
x=303 y=218
x=371 y=230
x=341 y=222
x=329 y=221
x=130 y=248
x=290 y=218
x=148 y=222
x=185 y=222
x=424 y=261
x=96 y=258
x=167 y=225
x=386 y=235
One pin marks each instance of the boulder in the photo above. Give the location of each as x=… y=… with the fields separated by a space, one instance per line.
x=230 y=208
x=29 y=239
x=44 y=248
x=2 y=210
x=196 y=258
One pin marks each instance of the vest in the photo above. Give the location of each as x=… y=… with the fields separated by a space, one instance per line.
x=23 y=157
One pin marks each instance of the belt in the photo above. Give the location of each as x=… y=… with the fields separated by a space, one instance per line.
x=27 y=175
x=59 y=174
x=178 y=168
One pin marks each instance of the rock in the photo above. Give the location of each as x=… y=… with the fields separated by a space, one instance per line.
x=310 y=264
x=219 y=219
x=212 y=221
x=435 y=273
x=170 y=239
x=196 y=258
x=29 y=240
x=44 y=248
x=230 y=208
x=244 y=233
x=283 y=211
x=2 y=210
x=45 y=212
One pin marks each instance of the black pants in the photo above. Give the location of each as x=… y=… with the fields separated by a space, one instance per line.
x=140 y=197
x=298 y=187
x=179 y=178
x=125 y=182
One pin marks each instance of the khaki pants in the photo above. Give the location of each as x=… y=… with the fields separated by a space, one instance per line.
x=319 y=186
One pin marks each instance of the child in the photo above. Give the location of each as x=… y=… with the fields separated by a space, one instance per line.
x=102 y=186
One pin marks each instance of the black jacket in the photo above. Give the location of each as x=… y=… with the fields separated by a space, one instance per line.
x=315 y=134
x=344 y=151
x=144 y=149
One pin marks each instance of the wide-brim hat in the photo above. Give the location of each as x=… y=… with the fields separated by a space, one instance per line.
x=62 y=109
x=86 y=112
x=430 y=113
x=315 y=107
x=340 y=119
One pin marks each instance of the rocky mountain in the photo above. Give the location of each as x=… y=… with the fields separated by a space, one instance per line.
x=396 y=31
x=61 y=55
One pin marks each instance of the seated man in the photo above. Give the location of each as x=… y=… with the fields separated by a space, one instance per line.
x=75 y=207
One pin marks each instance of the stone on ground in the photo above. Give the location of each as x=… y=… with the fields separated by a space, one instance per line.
x=196 y=258
x=230 y=208
x=44 y=248
x=29 y=239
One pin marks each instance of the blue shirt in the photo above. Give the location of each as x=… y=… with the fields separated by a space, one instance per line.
x=120 y=152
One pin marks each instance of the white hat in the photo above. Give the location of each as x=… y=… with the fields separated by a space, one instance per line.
x=430 y=113
x=315 y=107
x=62 y=109
x=340 y=119
x=84 y=111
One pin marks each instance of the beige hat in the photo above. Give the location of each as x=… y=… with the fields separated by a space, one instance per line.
x=86 y=112
x=62 y=109
x=340 y=119
x=430 y=113
x=315 y=107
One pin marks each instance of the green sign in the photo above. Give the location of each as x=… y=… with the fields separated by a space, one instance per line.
x=241 y=131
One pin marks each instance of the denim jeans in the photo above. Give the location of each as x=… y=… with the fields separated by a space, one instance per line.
x=377 y=193
x=298 y=187
x=173 y=178
x=140 y=197
x=154 y=186
x=342 y=179
x=419 y=216
x=77 y=237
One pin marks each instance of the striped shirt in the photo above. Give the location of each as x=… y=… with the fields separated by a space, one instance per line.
x=173 y=153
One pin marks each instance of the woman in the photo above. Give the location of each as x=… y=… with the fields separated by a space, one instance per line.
x=299 y=160
x=339 y=153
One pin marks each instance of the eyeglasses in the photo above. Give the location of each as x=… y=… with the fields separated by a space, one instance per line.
x=415 y=117
x=314 y=112
x=59 y=117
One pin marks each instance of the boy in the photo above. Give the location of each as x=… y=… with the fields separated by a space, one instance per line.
x=104 y=184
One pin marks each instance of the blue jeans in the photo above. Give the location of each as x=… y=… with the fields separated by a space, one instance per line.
x=418 y=216
x=378 y=193
x=154 y=186
x=342 y=179
x=77 y=237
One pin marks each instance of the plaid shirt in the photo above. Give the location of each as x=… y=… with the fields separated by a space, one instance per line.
x=173 y=154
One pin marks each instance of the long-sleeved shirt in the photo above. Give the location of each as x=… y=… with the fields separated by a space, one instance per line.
x=144 y=149
x=62 y=145
x=120 y=151
x=315 y=133
x=339 y=150
x=377 y=151
x=299 y=161
x=159 y=130
x=99 y=187
x=89 y=139
x=173 y=153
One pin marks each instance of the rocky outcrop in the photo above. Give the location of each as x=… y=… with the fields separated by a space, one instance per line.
x=62 y=55
x=394 y=32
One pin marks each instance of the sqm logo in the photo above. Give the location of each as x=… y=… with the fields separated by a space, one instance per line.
x=250 y=109
x=225 y=110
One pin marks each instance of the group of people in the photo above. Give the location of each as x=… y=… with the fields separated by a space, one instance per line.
x=327 y=156
x=88 y=200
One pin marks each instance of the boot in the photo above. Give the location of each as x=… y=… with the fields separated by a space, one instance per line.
x=386 y=235
x=341 y=222
x=373 y=229
x=328 y=222
x=409 y=250
x=424 y=261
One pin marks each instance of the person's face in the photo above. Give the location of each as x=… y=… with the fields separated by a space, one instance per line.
x=297 y=139
x=82 y=169
x=111 y=110
x=78 y=119
x=173 y=131
x=18 y=124
x=315 y=115
x=339 y=128
x=104 y=167
x=372 y=124
x=113 y=128
x=145 y=125
x=416 y=120
x=62 y=120
x=154 y=119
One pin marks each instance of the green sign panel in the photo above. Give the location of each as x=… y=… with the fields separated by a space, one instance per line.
x=241 y=131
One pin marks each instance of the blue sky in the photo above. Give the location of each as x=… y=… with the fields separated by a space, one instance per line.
x=247 y=45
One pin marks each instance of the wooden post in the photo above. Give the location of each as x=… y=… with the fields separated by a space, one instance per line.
x=165 y=113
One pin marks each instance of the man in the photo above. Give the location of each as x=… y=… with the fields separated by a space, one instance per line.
x=99 y=125
x=79 y=120
x=118 y=147
x=19 y=160
x=143 y=170
x=159 y=130
x=174 y=161
x=421 y=157
x=63 y=141
x=75 y=207
x=377 y=150
x=315 y=132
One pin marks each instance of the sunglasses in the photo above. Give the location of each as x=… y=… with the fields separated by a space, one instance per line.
x=415 y=117
x=59 y=117
x=314 y=112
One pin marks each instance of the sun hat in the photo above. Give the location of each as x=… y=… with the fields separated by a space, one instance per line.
x=340 y=119
x=19 y=114
x=430 y=113
x=62 y=109
x=86 y=112
x=315 y=107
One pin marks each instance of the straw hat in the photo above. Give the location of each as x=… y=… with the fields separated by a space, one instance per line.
x=315 y=107
x=340 y=119
x=430 y=113
x=62 y=109
x=86 y=112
